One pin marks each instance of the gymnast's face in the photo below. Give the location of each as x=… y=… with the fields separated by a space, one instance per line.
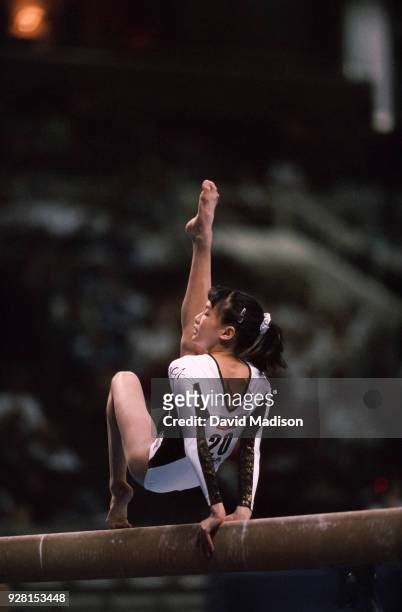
x=208 y=329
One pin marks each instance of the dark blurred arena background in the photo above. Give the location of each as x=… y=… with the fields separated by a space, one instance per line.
x=112 y=114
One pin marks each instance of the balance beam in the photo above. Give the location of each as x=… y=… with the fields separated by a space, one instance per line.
x=290 y=542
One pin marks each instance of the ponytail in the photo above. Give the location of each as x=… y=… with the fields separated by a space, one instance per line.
x=266 y=352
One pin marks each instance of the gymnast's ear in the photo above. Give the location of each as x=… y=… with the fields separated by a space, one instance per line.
x=228 y=333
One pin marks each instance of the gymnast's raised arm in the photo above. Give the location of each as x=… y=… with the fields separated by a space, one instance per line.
x=199 y=228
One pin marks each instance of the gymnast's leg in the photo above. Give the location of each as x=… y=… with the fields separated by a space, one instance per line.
x=130 y=431
x=199 y=228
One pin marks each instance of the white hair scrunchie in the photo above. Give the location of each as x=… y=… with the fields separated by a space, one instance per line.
x=265 y=324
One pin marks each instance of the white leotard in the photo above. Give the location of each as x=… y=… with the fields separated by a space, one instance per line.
x=185 y=462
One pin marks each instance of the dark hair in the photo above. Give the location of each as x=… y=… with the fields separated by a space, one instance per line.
x=263 y=351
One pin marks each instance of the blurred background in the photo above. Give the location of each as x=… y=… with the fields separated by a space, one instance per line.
x=112 y=114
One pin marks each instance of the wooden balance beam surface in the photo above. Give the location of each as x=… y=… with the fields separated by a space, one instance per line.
x=290 y=542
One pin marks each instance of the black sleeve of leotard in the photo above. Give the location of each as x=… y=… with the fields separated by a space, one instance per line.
x=208 y=470
x=246 y=473
x=249 y=460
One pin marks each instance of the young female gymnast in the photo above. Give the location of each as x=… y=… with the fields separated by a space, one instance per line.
x=225 y=336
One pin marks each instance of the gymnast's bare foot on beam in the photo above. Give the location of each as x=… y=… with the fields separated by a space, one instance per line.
x=199 y=228
x=117 y=515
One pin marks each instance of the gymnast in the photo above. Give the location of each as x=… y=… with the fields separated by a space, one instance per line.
x=226 y=336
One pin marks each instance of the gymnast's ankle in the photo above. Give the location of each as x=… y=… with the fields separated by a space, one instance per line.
x=121 y=490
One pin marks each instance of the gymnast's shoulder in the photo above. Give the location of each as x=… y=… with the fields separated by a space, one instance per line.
x=187 y=365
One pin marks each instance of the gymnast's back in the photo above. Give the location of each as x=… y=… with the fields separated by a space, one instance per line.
x=223 y=400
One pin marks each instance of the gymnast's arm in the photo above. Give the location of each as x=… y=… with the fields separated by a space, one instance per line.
x=195 y=442
x=249 y=468
x=248 y=475
x=196 y=449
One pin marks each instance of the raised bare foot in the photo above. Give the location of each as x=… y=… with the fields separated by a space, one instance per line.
x=199 y=228
x=117 y=515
